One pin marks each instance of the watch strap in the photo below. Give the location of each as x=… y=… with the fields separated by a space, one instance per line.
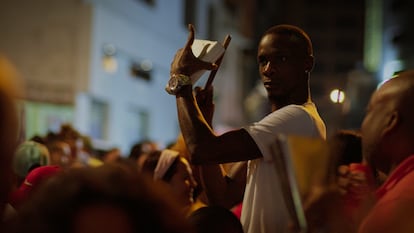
x=182 y=79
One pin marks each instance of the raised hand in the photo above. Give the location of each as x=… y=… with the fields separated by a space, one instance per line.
x=185 y=62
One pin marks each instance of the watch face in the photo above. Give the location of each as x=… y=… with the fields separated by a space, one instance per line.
x=173 y=83
x=176 y=82
x=172 y=86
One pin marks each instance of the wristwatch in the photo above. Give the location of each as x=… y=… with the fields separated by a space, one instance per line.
x=176 y=82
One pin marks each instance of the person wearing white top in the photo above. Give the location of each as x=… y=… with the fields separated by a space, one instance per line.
x=285 y=59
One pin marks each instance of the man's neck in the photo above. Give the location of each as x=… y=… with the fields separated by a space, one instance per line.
x=299 y=96
x=279 y=103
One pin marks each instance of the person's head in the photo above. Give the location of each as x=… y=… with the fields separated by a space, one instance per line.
x=111 y=156
x=346 y=147
x=285 y=58
x=140 y=150
x=29 y=155
x=173 y=169
x=106 y=199
x=388 y=126
x=214 y=219
x=72 y=137
x=60 y=153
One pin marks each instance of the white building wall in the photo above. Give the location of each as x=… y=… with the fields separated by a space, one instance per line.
x=58 y=47
x=138 y=32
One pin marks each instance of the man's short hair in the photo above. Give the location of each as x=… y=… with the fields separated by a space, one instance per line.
x=296 y=35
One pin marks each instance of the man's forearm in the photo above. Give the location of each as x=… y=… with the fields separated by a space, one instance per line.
x=221 y=189
x=195 y=129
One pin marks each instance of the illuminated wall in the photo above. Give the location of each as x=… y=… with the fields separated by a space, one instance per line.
x=61 y=47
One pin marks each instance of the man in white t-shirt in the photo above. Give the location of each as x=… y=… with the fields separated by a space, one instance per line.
x=285 y=59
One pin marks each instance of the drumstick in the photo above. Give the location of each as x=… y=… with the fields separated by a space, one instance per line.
x=218 y=62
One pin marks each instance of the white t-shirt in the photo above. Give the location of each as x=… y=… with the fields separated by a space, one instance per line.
x=264 y=209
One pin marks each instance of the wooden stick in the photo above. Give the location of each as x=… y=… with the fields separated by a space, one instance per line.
x=218 y=62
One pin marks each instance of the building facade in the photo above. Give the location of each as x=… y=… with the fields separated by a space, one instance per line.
x=100 y=65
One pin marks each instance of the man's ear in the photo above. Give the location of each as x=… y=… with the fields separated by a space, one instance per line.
x=393 y=120
x=309 y=63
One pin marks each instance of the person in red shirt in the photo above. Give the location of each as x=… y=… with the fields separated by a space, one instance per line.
x=387 y=139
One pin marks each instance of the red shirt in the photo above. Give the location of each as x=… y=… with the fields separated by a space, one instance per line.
x=394 y=211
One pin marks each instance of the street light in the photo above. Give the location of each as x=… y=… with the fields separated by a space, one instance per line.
x=337 y=96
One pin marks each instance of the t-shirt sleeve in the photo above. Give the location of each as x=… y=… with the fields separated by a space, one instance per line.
x=289 y=120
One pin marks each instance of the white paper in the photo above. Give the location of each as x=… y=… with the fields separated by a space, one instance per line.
x=206 y=50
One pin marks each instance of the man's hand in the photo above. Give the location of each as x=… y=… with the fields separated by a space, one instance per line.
x=357 y=186
x=355 y=180
x=184 y=60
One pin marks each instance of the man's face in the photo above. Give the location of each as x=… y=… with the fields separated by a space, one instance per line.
x=281 y=65
x=372 y=128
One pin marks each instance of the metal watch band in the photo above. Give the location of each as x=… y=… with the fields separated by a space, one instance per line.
x=182 y=79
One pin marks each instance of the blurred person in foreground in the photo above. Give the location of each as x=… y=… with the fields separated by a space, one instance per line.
x=285 y=59
x=106 y=199
x=10 y=89
x=32 y=181
x=387 y=146
x=215 y=219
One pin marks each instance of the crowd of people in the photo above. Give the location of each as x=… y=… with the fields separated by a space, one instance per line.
x=59 y=182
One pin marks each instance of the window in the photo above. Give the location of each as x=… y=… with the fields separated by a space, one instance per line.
x=98 y=120
x=137 y=125
x=141 y=70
